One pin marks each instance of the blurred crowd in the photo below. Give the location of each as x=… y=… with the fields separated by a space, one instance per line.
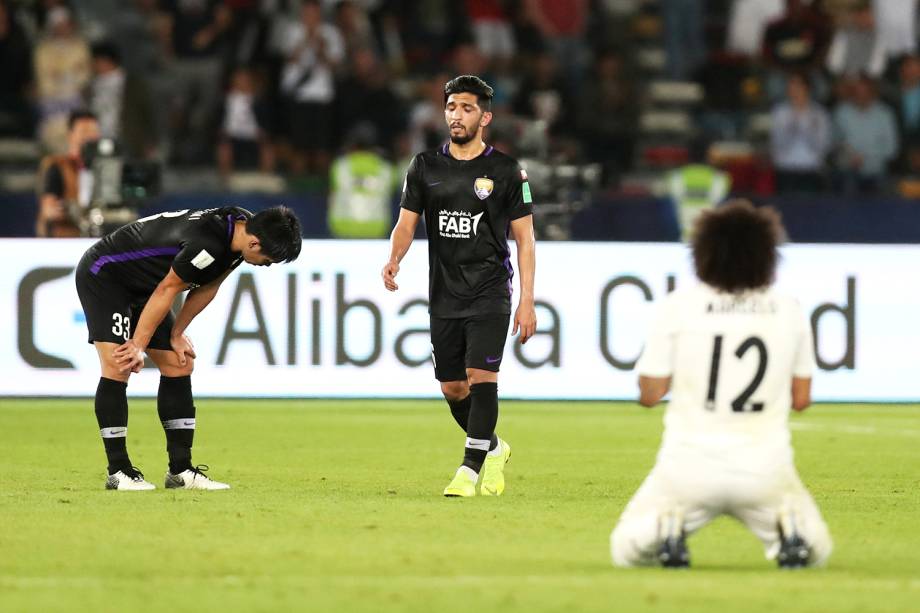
x=286 y=86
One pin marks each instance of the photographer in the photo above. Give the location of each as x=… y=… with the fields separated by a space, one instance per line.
x=66 y=185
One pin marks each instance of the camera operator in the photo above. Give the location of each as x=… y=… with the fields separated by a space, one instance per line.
x=66 y=184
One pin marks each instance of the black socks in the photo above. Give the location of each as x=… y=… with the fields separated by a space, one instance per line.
x=460 y=409
x=112 y=417
x=176 y=410
x=177 y=414
x=480 y=428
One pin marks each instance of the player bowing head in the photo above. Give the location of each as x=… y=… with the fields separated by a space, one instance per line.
x=472 y=196
x=736 y=355
x=271 y=236
x=467 y=108
x=127 y=283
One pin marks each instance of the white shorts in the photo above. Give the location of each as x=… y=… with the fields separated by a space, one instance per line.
x=700 y=491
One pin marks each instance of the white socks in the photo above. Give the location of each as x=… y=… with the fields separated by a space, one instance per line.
x=497 y=451
x=469 y=472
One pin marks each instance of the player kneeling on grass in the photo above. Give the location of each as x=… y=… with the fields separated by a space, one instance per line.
x=133 y=275
x=736 y=355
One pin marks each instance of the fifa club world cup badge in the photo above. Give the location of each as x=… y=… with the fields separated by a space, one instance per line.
x=483 y=187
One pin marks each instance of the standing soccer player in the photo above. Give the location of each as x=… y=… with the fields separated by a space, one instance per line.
x=127 y=283
x=736 y=354
x=471 y=195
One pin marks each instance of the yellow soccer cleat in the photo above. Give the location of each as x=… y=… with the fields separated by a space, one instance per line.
x=493 y=472
x=463 y=485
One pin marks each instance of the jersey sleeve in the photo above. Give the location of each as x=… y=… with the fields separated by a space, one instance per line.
x=657 y=359
x=520 y=200
x=804 y=360
x=196 y=262
x=413 y=188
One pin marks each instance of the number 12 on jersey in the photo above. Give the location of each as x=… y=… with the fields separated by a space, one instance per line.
x=738 y=404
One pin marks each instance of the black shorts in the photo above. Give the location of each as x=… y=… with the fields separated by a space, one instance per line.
x=472 y=342
x=111 y=311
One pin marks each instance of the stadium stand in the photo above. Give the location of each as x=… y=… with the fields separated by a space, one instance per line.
x=601 y=100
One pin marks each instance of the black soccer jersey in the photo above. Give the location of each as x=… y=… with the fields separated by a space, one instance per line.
x=468 y=206
x=194 y=243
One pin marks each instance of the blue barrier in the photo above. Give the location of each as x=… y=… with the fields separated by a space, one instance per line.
x=825 y=219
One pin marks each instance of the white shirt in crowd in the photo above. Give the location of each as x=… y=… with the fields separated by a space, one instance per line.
x=106 y=97
x=747 y=23
x=305 y=77
x=240 y=119
x=896 y=24
x=799 y=139
x=731 y=359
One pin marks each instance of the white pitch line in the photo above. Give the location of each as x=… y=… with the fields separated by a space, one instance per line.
x=853 y=429
x=574 y=579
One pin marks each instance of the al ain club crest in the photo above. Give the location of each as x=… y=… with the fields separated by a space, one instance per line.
x=483 y=187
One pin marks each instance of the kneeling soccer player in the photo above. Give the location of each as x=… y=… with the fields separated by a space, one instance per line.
x=133 y=275
x=736 y=354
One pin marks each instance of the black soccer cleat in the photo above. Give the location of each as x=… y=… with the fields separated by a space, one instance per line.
x=794 y=552
x=674 y=553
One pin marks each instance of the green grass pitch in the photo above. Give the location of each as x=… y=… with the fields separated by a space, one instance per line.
x=336 y=506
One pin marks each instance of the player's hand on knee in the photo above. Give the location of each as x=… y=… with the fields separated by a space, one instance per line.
x=183 y=347
x=129 y=357
x=525 y=320
x=389 y=273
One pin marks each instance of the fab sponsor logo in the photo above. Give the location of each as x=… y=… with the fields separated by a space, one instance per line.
x=458 y=224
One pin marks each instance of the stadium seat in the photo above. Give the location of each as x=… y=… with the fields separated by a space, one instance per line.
x=260 y=182
x=19 y=151
x=651 y=59
x=674 y=93
x=664 y=156
x=678 y=123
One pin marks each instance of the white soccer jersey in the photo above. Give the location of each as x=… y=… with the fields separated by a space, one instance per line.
x=731 y=359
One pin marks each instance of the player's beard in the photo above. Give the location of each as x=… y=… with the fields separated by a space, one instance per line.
x=462 y=139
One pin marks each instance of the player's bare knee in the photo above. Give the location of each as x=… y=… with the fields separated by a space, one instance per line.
x=477 y=375
x=107 y=364
x=455 y=390
x=175 y=369
x=112 y=371
x=168 y=363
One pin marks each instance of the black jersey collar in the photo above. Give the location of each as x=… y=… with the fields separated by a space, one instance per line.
x=445 y=150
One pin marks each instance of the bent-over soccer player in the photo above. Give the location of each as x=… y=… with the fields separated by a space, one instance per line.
x=127 y=283
x=736 y=354
x=472 y=196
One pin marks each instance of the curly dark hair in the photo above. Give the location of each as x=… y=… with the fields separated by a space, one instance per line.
x=735 y=247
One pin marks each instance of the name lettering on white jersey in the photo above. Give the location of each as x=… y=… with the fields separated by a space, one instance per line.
x=735 y=305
